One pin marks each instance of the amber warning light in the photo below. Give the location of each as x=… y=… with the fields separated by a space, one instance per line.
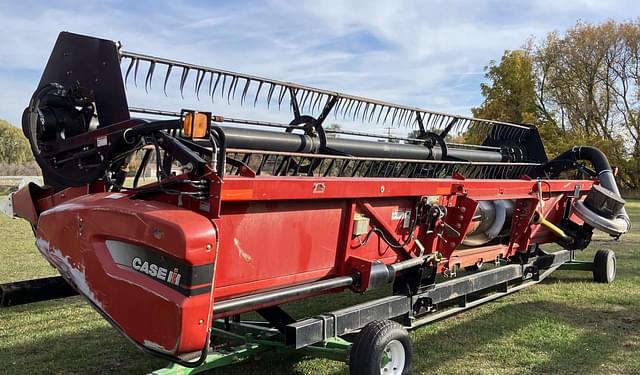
x=195 y=124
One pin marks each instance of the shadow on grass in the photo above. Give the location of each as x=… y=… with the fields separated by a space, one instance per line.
x=527 y=337
x=530 y=337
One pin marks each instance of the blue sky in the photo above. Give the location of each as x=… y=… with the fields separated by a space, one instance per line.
x=429 y=54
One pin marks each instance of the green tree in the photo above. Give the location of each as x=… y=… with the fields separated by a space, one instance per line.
x=510 y=94
x=14 y=147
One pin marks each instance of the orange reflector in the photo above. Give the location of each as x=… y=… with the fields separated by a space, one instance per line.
x=195 y=125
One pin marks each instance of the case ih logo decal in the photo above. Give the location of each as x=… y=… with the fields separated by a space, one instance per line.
x=153 y=270
x=171 y=272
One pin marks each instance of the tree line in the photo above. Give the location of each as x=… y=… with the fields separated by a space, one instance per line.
x=579 y=88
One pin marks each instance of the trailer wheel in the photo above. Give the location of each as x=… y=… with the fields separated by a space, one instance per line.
x=604 y=266
x=382 y=348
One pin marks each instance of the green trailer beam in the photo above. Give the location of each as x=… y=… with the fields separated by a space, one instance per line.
x=216 y=360
x=257 y=339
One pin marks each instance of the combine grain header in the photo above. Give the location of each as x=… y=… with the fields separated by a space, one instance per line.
x=247 y=215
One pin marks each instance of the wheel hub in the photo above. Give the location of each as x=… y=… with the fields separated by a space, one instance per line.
x=393 y=359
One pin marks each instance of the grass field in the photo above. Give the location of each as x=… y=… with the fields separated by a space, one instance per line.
x=566 y=325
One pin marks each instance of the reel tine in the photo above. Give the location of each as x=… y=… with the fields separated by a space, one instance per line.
x=379 y=113
x=281 y=95
x=215 y=85
x=427 y=121
x=434 y=122
x=234 y=79
x=126 y=76
x=305 y=96
x=235 y=86
x=199 y=80
x=412 y=119
x=373 y=112
x=408 y=122
x=211 y=85
x=336 y=109
x=149 y=77
x=195 y=86
x=135 y=73
x=407 y=118
x=403 y=113
x=166 y=78
x=346 y=108
x=384 y=120
x=364 y=111
x=459 y=126
x=456 y=125
x=393 y=117
x=468 y=124
x=315 y=103
x=224 y=83
x=245 y=90
x=399 y=118
x=310 y=101
x=257 y=93
x=357 y=110
x=270 y=93
x=183 y=79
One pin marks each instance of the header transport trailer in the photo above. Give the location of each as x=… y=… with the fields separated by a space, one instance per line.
x=247 y=215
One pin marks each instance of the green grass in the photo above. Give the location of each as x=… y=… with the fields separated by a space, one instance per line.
x=566 y=325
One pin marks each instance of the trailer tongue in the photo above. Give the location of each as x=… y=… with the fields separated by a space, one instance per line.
x=246 y=215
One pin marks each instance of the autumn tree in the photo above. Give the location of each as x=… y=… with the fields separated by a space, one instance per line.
x=588 y=81
x=580 y=87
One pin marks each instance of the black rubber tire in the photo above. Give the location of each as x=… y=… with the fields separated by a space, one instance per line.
x=370 y=343
x=604 y=266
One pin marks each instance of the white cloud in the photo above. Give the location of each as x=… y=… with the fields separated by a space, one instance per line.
x=428 y=54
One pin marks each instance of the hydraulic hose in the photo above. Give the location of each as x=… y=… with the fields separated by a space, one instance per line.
x=621 y=222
